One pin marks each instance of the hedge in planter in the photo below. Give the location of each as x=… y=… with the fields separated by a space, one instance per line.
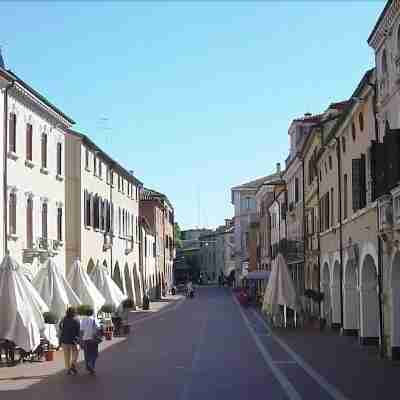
x=83 y=309
x=128 y=304
x=107 y=308
x=50 y=318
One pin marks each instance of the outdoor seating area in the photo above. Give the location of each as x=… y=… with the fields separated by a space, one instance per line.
x=35 y=303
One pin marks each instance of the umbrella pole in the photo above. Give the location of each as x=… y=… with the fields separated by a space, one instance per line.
x=284 y=315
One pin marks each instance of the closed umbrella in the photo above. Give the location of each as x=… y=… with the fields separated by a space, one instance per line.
x=55 y=289
x=106 y=286
x=21 y=317
x=84 y=287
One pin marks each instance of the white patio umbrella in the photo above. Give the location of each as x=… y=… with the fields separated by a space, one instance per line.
x=55 y=289
x=21 y=317
x=280 y=289
x=84 y=287
x=106 y=286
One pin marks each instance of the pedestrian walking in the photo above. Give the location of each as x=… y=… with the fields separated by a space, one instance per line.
x=69 y=340
x=91 y=337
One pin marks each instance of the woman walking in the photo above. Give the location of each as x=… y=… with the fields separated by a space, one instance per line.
x=91 y=337
x=69 y=340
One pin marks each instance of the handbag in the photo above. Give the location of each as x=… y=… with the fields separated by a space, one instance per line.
x=97 y=336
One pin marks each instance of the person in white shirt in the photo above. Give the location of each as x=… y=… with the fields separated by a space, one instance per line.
x=90 y=331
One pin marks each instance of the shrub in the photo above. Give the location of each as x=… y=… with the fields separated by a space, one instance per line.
x=128 y=303
x=83 y=309
x=107 y=308
x=50 y=318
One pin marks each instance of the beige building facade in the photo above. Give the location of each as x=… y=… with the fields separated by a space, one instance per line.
x=102 y=204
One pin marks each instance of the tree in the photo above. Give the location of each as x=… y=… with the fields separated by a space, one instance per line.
x=177 y=236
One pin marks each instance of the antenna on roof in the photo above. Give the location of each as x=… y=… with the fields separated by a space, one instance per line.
x=2 y=65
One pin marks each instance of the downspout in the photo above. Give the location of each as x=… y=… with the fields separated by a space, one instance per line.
x=5 y=182
x=319 y=223
x=304 y=220
x=340 y=228
x=380 y=266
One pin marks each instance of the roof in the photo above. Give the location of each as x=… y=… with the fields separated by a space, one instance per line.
x=104 y=155
x=256 y=183
x=382 y=14
x=364 y=81
x=151 y=194
x=11 y=76
x=311 y=119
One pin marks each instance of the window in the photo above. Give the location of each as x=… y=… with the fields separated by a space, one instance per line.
x=398 y=40
x=29 y=223
x=332 y=207
x=29 y=130
x=384 y=63
x=119 y=183
x=44 y=150
x=96 y=211
x=102 y=219
x=44 y=220
x=330 y=162
x=59 y=224
x=345 y=198
x=13 y=133
x=119 y=221
x=320 y=174
x=87 y=200
x=111 y=177
x=344 y=144
x=13 y=213
x=59 y=159
x=86 y=158
x=296 y=190
x=358 y=183
x=100 y=169
x=361 y=121
x=94 y=165
x=353 y=131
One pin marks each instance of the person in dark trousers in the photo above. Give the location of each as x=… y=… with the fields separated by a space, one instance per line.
x=69 y=340
x=90 y=336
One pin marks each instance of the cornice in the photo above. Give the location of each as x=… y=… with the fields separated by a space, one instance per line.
x=384 y=25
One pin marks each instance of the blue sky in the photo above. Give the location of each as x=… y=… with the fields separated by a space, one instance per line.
x=195 y=97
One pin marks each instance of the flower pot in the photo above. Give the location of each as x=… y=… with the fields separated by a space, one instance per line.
x=108 y=335
x=49 y=355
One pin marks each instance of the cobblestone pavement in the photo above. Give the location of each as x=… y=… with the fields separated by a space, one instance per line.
x=209 y=348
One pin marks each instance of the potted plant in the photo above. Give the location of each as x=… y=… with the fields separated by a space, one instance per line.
x=107 y=308
x=82 y=309
x=128 y=304
x=50 y=318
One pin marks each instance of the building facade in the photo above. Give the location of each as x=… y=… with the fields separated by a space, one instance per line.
x=159 y=213
x=32 y=205
x=102 y=204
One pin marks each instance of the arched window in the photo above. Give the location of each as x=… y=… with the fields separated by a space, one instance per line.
x=384 y=63
x=361 y=121
x=353 y=131
x=398 y=40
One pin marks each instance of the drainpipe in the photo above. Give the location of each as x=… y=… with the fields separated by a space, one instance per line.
x=380 y=263
x=5 y=182
x=340 y=227
x=304 y=220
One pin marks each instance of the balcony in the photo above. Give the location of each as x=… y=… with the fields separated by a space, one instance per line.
x=385 y=206
x=129 y=246
x=108 y=241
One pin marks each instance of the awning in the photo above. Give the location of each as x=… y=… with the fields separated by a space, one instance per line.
x=257 y=275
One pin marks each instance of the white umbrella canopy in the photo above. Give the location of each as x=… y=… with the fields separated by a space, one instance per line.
x=84 y=287
x=55 y=289
x=280 y=289
x=21 y=317
x=106 y=286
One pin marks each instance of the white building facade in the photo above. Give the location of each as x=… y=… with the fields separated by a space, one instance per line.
x=32 y=205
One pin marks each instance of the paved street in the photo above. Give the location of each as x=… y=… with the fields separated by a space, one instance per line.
x=202 y=348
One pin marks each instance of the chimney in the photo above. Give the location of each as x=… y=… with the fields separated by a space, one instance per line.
x=1 y=60
x=306 y=115
x=278 y=168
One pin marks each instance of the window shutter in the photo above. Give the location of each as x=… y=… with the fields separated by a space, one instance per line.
x=363 y=183
x=12 y=133
x=29 y=142
x=327 y=226
x=356 y=183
